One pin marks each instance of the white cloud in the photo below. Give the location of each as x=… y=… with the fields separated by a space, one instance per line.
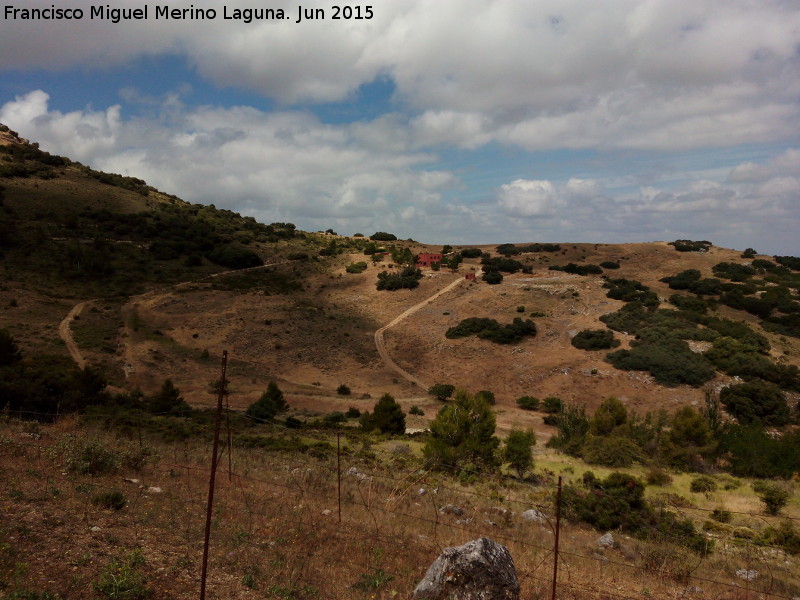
x=643 y=74
x=528 y=198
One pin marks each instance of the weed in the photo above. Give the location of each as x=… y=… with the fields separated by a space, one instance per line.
x=122 y=579
x=373 y=580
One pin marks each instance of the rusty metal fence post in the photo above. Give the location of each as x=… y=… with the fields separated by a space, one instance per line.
x=339 y=473
x=214 y=458
x=558 y=530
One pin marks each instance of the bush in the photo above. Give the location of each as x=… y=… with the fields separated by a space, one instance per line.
x=382 y=236
x=387 y=417
x=490 y=329
x=471 y=252
x=416 y=410
x=493 y=277
x=656 y=476
x=487 y=396
x=607 y=264
x=703 y=484
x=112 y=500
x=352 y=413
x=756 y=402
x=343 y=390
x=357 y=267
x=408 y=278
x=721 y=515
x=670 y=362
x=691 y=246
x=611 y=451
x=442 y=391
x=528 y=402
x=552 y=405
x=92 y=459
x=268 y=405
x=774 y=498
x=517 y=452
x=169 y=402
x=123 y=579
x=595 y=339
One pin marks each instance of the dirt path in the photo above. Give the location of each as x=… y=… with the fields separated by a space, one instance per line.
x=65 y=333
x=380 y=343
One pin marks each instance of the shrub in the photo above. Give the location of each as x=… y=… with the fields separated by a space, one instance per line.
x=490 y=329
x=112 y=500
x=387 y=417
x=785 y=535
x=774 y=497
x=487 y=396
x=343 y=390
x=552 y=405
x=607 y=264
x=357 y=267
x=416 y=410
x=442 y=391
x=517 y=452
x=493 y=277
x=703 y=484
x=669 y=361
x=595 y=339
x=382 y=236
x=471 y=252
x=268 y=405
x=721 y=515
x=756 y=402
x=656 y=476
x=408 y=278
x=352 y=413
x=92 y=459
x=610 y=451
x=691 y=246
x=528 y=402
x=169 y=402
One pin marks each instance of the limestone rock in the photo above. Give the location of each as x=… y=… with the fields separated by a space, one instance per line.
x=606 y=540
x=479 y=570
x=534 y=515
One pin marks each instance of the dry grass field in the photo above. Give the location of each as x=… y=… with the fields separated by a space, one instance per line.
x=94 y=512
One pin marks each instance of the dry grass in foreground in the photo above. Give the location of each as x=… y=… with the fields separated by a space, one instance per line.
x=88 y=513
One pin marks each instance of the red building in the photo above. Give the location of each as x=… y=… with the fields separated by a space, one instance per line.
x=428 y=258
x=470 y=276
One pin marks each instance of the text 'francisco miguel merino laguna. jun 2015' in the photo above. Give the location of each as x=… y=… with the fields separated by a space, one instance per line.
x=164 y=12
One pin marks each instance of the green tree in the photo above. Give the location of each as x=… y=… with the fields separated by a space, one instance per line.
x=689 y=437
x=442 y=391
x=168 y=401
x=387 y=417
x=608 y=416
x=487 y=395
x=517 y=452
x=462 y=436
x=268 y=405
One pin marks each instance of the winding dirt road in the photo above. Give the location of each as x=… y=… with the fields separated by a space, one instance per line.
x=380 y=343
x=65 y=333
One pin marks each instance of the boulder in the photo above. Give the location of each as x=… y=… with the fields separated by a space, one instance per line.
x=534 y=515
x=606 y=540
x=479 y=570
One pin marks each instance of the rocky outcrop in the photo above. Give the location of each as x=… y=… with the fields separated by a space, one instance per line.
x=479 y=570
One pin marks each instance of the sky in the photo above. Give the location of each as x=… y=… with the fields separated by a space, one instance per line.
x=445 y=121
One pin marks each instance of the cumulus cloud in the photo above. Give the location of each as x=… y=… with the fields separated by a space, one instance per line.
x=528 y=198
x=630 y=74
x=277 y=165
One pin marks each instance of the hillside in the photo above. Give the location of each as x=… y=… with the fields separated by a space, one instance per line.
x=675 y=361
x=146 y=272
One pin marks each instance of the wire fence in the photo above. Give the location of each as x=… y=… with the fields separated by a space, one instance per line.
x=339 y=524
